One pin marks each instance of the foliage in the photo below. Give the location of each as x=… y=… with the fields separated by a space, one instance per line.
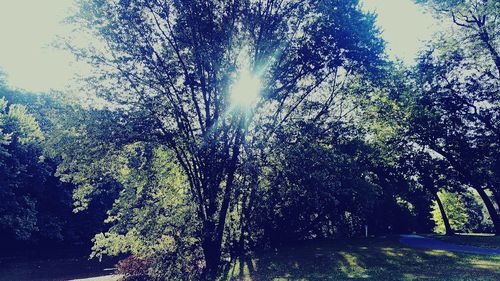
x=185 y=178
x=455 y=210
x=451 y=119
x=35 y=208
x=167 y=69
x=142 y=188
x=152 y=216
x=456 y=109
x=133 y=269
x=464 y=212
x=20 y=137
x=316 y=187
x=475 y=25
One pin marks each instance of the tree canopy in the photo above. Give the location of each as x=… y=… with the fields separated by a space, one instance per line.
x=217 y=127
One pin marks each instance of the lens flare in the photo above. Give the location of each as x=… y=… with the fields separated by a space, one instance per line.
x=245 y=92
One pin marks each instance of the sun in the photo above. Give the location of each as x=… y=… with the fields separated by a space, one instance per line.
x=245 y=91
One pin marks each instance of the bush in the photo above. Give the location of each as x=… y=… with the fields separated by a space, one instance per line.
x=134 y=268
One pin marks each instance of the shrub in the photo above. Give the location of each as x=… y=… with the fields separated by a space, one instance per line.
x=134 y=268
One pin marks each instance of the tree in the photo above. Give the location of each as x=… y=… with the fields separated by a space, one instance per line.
x=315 y=186
x=36 y=206
x=456 y=213
x=20 y=137
x=172 y=65
x=460 y=77
x=478 y=21
x=153 y=217
x=435 y=176
x=463 y=210
x=405 y=172
x=456 y=117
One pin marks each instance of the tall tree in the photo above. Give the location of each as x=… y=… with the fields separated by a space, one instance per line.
x=459 y=107
x=478 y=22
x=176 y=66
x=20 y=137
x=456 y=117
x=36 y=206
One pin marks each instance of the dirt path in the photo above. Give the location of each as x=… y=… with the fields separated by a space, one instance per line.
x=418 y=241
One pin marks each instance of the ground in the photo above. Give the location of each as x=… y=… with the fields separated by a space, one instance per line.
x=419 y=241
x=478 y=240
x=364 y=259
x=55 y=269
x=357 y=259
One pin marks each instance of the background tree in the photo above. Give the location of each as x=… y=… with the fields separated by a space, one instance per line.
x=36 y=206
x=477 y=22
x=20 y=152
x=464 y=212
x=455 y=116
x=316 y=187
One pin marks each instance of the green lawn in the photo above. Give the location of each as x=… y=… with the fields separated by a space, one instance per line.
x=478 y=240
x=370 y=259
x=359 y=259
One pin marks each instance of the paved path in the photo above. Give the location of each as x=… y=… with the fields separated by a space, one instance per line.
x=418 y=241
x=101 y=278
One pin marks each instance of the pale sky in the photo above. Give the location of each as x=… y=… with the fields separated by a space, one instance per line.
x=405 y=26
x=29 y=27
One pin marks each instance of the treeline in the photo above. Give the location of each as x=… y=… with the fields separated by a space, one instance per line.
x=36 y=209
x=339 y=138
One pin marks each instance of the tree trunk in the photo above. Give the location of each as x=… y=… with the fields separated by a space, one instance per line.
x=212 y=252
x=447 y=226
x=496 y=195
x=485 y=37
x=214 y=227
x=246 y=214
x=491 y=209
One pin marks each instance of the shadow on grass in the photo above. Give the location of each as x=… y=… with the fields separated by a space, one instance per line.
x=374 y=259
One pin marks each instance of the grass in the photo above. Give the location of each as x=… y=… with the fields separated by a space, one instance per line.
x=359 y=259
x=363 y=259
x=469 y=239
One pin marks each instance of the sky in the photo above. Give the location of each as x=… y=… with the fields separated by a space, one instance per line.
x=405 y=26
x=29 y=28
